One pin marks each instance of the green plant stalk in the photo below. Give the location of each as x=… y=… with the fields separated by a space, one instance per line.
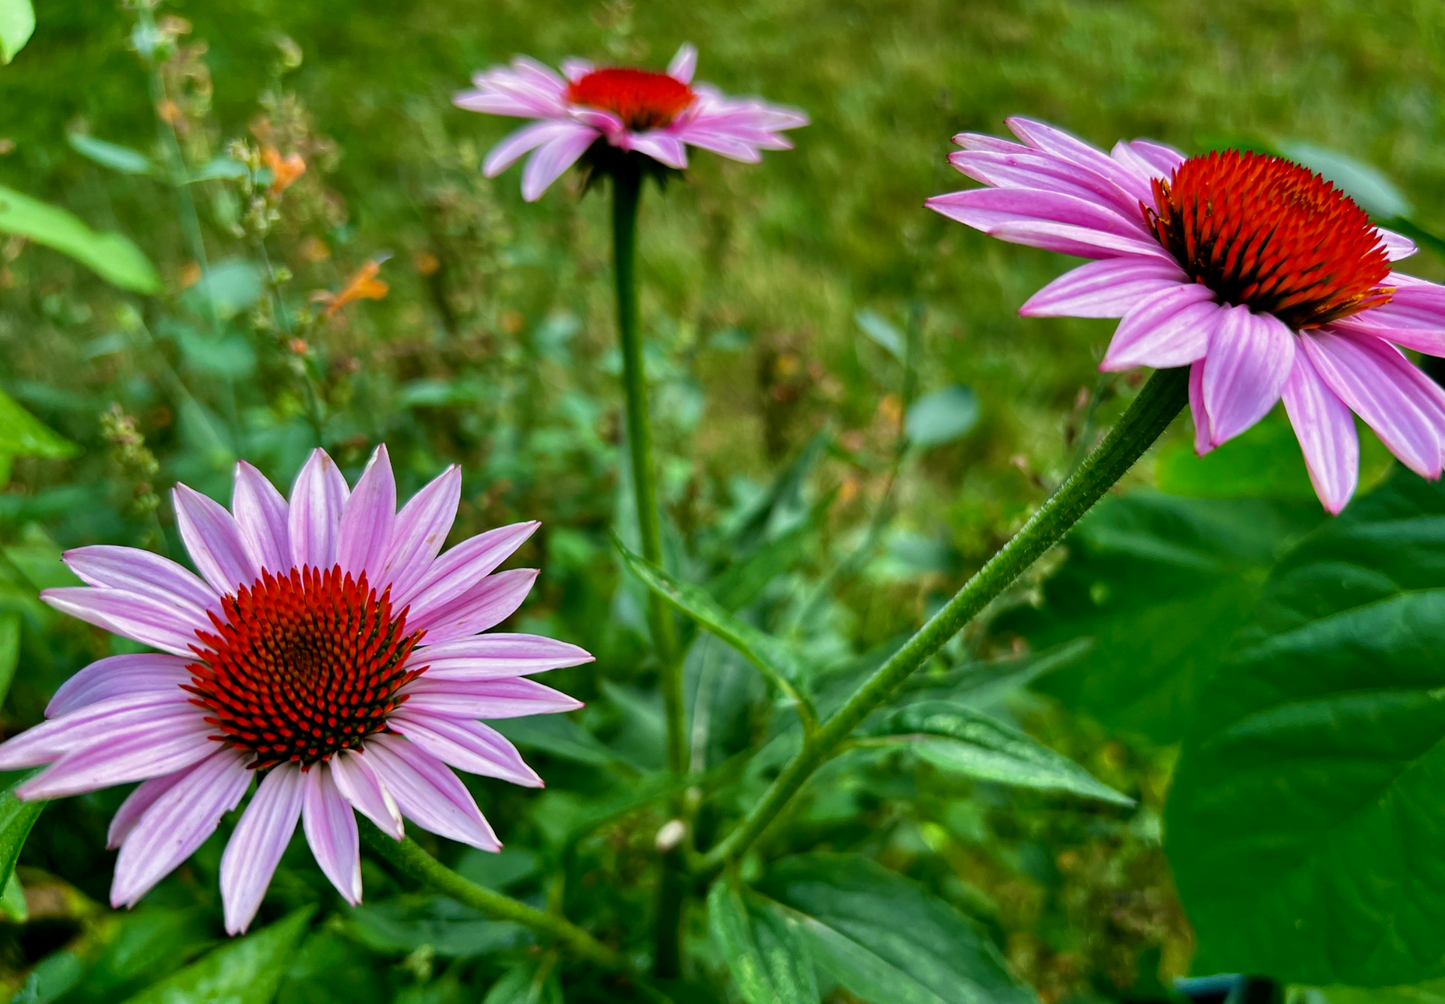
x=627 y=181
x=408 y=857
x=1145 y=419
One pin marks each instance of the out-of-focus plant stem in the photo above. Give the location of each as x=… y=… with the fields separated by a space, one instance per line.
x=627 y=181
x=1146 y=418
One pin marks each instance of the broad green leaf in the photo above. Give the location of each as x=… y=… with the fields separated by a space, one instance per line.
x=767 y=653
x=529 y=982
x=16 y=819
x=331 y=968
x=558 y=736
x=1305 y=823
x=1367 y=185
x=885 y=939
x=17 y=23
x=245 y=971
x=148 y=944
x=963 y=740
x=52 y=977
x=883 y=332
x=942 y=416
x=763 y=950
x=24 y=435
x=12 y=901
x=1161 y=584
x=110 y=255
x=111 y=155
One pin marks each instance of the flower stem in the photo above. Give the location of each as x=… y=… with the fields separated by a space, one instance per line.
x=409 y=857
x=1148 y=416
x=627 y=181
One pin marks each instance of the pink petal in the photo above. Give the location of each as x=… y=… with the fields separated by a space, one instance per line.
x=330 y=828
x=575 y=69
x=987 y=209
x=466 y=745
x=1128 y=158
x=1042 y=136
x=261 y=520
x=1166 y=329
x=662 y=148
x=512 y=698
x=683 y=64
x=428 y=792
x=1250 y=357
x=120 y=676
x=1397 y=246
x=1107 y=288
x=360 y=785
x=1084 y=242
x=1326 y=433
x=991 y=144
x=484 y=606
x=462 y=567
x=1414 y=317
x=1164 y=159
x=162 y=747
x=421 y=530
x=552 y=158
x=177 y=823
x=1202 y=445
x=497 y=656
x=317 y=499
x=1381 y=386
x=364 y=536
x=144 y=573
x=211 y=537
x=136 y=803
x=100 y=722
x=514 y=146
x=1041 y=172
x=721 y=143
x=130 y=615
x=256 y=846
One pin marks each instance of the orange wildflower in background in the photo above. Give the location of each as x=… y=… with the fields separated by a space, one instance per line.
x=284 y=170
x=363 y=285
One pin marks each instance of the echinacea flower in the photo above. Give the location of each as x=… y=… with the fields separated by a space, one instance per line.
x=656 y=114
x=1262 y=277
x=327 y=649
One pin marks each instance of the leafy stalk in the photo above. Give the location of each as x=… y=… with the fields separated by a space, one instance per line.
x=1148 y=416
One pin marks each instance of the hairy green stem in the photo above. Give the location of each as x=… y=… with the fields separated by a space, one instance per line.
x=407 y=856
x=1148 y=416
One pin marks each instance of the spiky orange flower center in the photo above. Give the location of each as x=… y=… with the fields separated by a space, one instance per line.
x=640 y=98
x=302 y=665
x=1261 y=231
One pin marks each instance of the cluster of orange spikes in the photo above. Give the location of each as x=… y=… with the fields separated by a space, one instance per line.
x=1264 y=232
x=640 y=98
x=302 y=665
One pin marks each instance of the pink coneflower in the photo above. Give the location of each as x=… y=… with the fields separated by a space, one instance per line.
x=325 y=649
x=1261 y=276
x=657 y=114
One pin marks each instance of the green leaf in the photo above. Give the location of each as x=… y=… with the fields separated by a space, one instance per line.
x=452 y=930
x=111 y=155
x=9 y=651
x=1161 y=584
x=1367 y=185
x=771 y=656
x=885 y=939
x=1305 y=822
x=763 y=949
x=960 y=739
x=233 y=285
x=1432 y=992
x=530 y=982
x=942 y=416
x=12 y=901
x=17 y=22
x=245 y=971
x=148 y=944
x=882 y=332
x=558 y=736
x=110 y=255
x=24 y=435
x=16 y=819
x=220 y=167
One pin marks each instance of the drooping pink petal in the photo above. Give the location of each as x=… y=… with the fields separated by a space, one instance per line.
x=256 y=846
x=1040 y=172
x=497 y=656
x=484 y=606
x=1165 y=329
x=515 y=145
x=508 y=698
x=990 y=144
x=1202 y=444
x=1380 y=385
x=723 y=144
x=1064 y=238
x=214 y=543
x=428 y=793
x=119 y=676
x=148 y=621
x=330 y=828
x=466 y=745
x=1043 y=136
x=987 y=209
x=177 y=823
x=364 y=536
x=664 y=149
x=261 y=518
x=462 y=567
x=147 y=574
x=1326 y=432
x=100 y=722
x=552 y=158
x=1107 y=288
x=136 y=803
x=1250 y=357
x=162 y=746
x=421 y=530
x=360 y=785
x=1397 y=246
x=1414 y=317
x=317 y=499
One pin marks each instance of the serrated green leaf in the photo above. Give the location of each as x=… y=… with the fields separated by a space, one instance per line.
x=942 y=416
x=110 y=255
x=1304 y=823
x=24 y=435
x=246 y=971
x=763 y=951
x=17 y=23
x=961 y=739
x=885 y=939
x=111 y=155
